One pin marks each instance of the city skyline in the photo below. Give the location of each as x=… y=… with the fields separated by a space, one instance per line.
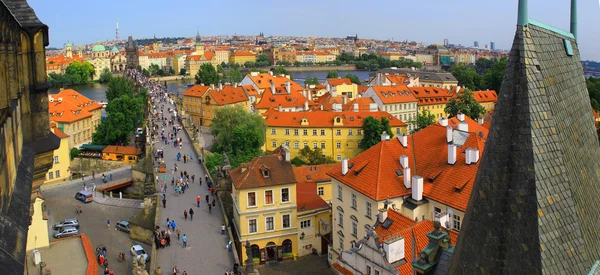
x=485 y=23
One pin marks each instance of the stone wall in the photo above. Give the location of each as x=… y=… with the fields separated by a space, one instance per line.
x=86 y=165
x=141 y=234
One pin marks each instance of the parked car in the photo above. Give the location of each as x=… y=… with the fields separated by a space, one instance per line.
x=84 y=196
x=123 y=226
x=66 y=232
x=138 y=250
x=72 y=222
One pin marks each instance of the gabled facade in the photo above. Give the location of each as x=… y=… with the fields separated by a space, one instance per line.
x=342 y=86
x=433 y=99
x=396 y=100
x=487 y=99
x=265 y=208
x=202 y=101
x=426 y=176
x=61 y=160
x=75 y=115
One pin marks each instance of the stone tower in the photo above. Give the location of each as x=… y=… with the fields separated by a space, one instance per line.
x=199 y=47
x=69 y=50
x=533 y=208
x=132 y=54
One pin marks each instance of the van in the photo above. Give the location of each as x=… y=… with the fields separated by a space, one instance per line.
x=84 y=196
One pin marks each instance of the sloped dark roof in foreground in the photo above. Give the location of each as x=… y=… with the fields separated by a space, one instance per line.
x=533 y=208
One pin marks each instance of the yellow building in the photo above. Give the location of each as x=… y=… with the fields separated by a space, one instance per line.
x=338 y=134
x=201 y=102
x=264 y=211
x=241 y=57
x=74 y=115
x=129 y=154
x=433 y=99
x=487 y=99
x=37 y=234
x=199 y=57
x=61 y=161
x=342 y=86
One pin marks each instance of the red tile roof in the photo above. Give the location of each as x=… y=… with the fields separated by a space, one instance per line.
x=317 y=173
x=250 y=90
x=342 y=270
x=228 y=95
x=326 y=119
x=338 y=81
x=398 y=78
x=407 y=228
x=125 y=150
x=250 y=174
x=268 y=99
x=428 y=149
x=364 y=104
x=307 y=197
x=207 y=56
x=196 y=90
x=394 y=94
x=432 y=95
x=485 y=96
x=69 y=106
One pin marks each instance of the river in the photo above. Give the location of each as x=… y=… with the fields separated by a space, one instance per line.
x=97 y=91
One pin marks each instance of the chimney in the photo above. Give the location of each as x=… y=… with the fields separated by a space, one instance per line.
x=451 y=154
x=287 y=153
x=273 y=86
x=394 y=249
x=372 y=107
x=309 y=93
x=468 y=156
x=404 y=161
x=480 y=120
x=306 y=105
x=212 y=86
x=382 y=215
x=271 y=73
x=235 y=85
x=460 y=116
x=280 y=108
x=287 y=76
x=403 y=140
x=344 y=167
x=328 y=87
x=449 y=131
x=474 y=155
x=378 y=82
x=220 y=86
x=444 y=121
x=344 y=100
x=385 y=136
x=417 y=188
x=288 y=87
x=457 y=89
x=356 y=107
x=463 y=126
x=407 y=178
x=321 y=107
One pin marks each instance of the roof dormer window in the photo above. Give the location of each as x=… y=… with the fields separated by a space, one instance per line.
x=265 y=173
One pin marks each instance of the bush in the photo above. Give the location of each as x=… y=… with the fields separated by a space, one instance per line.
x=74 y=152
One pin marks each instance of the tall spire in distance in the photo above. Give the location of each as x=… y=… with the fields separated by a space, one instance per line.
x=117 y=30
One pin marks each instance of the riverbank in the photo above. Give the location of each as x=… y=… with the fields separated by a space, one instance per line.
x=170 y=78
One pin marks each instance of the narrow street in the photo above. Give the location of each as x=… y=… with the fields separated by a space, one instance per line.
x=206 y=251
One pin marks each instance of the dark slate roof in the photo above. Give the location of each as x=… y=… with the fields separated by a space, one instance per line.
x=22 y=12
x=423 y=75
x=533 y=208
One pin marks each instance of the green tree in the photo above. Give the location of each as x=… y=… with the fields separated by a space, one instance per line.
x=234 y=76
x=220 y=69
x=371 y=132
x=284 y=63
x=139 y=68
x=332 y=74
x=117 y=87
x=297 y=161
x=593 y=87
x=314 y=156
x=76 y=73
x=262 y=60
x=493 y=76
x=207 y=75
x=171 y=71
x=238 y=133
x=280 y=70
x=424 y=119
x=74 y=152
x=310 y=80
x=468 y=77
x=466 y=104
x=385 y=126
x=153 y=69
x=182 y=71
x=105 y=76
x=353 y=78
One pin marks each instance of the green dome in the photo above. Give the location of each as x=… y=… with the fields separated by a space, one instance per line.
x=114 y=49
x=68 y=45
x=98 y=48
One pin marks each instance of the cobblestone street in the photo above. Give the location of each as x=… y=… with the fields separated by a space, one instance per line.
x=303 y=266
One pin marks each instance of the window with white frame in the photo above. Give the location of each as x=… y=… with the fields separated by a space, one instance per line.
x=321 y=191
x=274 y=143
x=273 y=131
x=314 y=132
x=287 y=143
x=285 y=220
x=305 y=132
x=376 y=272
x=338 y=145
x=339 y=196
x=350 y=132
x=368 y=270
x=354 y=229
x=339 y=157
x=270 y=226
x=322 y=145
x=295 y=132
x=338 y=132
x=359 y=132
x=285 y=194
x=50 y=175
x=305 y=224
x=315 y=145
x=341 y=243
x=456 y=222
x=57 y=174
x=268 y=197
x=287 y=132
x=55 y=159
x=341 y=219
x=252 y=226
x=368 y=209
x=251 y=199
x=296 y=145
x=305 y=144
x=322 y=132
x=353 y=196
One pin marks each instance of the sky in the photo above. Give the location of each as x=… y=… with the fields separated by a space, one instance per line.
x=428 y=21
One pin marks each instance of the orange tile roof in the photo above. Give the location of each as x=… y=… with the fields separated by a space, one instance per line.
x=313 y=173
x=326 y=119
x=58 y=132
x=398 y=78
x=207 y=55
x=394 y=94
x=125 y=150
x=326 y=100
x=338 y=81
x=407 y=228
x=432 y=95
x=250 y=175
x=228 y=95
x=69 y=106
x=281 y=98
x=307 y=197
x=362 y=89
x=92 y=266
x=364 y=104
x=342 y=270
x=250 y=90
x=196 y=90
x=485 y=96
x=428 y=149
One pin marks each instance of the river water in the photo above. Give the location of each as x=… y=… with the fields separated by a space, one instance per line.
x=97 y=91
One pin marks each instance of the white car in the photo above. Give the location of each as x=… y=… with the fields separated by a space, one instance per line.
x=138 y=250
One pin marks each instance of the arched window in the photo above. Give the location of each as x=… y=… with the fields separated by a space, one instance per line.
x=287 y=246
x=255 y=251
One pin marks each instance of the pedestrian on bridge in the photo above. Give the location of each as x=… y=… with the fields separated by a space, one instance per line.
x=164 y=201
x=197 y=202
x=185 y=213
x=192 y=213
